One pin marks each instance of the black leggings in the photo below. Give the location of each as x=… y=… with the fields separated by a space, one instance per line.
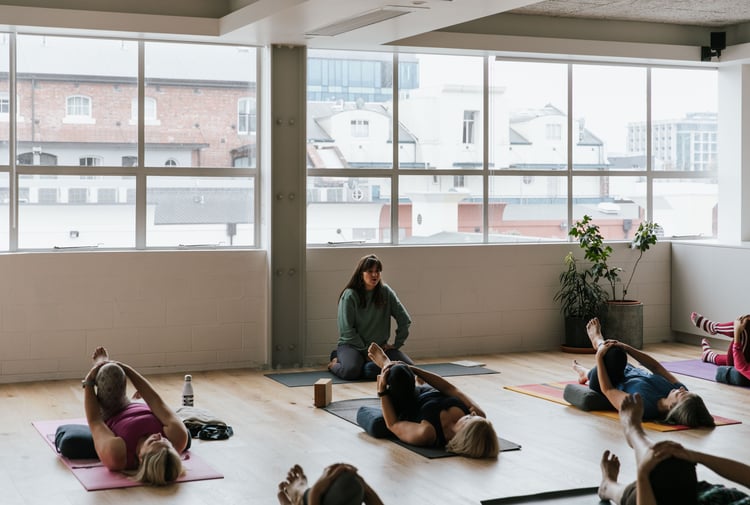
x=402 y=390
x=614 y=363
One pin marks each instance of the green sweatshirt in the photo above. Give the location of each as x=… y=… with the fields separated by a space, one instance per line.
x=360 y=326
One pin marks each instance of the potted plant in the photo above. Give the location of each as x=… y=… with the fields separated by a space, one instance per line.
x=623 y=319
x=581 y=298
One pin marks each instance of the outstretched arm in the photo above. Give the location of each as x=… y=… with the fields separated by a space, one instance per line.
x=727 y=468
x=447 y=389
x=371 y=497
x=403 y=320
x=646 y=360
x=173 y=427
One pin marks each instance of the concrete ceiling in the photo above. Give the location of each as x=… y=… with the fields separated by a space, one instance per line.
x=620 y=27
x=714 y=14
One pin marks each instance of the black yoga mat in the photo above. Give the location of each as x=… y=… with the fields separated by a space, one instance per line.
x=294 y=379
x=347 y=410
x=582 y=496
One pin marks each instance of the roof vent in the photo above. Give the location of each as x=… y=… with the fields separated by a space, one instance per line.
x=359 y=21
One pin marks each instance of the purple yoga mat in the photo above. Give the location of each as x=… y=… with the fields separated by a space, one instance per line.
x=693 y=368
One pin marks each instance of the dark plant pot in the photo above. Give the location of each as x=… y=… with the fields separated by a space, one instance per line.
x=623 y=321
x=576 y=338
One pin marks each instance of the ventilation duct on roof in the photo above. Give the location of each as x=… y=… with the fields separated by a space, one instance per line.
x=360 y=20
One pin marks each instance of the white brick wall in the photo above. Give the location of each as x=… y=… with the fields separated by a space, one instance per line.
x=161 y=311
x=476 y=299
x=175 y=311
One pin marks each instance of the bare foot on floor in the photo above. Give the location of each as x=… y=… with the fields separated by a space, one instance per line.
x=332 y=362
x=293 y=488
x=610 y=465
x=594 y=331
x=583 y=373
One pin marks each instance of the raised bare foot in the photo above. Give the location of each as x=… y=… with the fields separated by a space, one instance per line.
x=583 y=373
x=293 y=488
x=281 y=495
x=631 y=412
x=100 y=354
x=377 y=355
x=594 y=331
x=610 y=465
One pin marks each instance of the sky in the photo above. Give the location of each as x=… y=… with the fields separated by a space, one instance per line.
x=607 y=96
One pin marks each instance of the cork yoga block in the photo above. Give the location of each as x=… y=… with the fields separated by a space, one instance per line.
x=323 y=389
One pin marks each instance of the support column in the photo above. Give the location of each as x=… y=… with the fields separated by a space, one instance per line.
x=288 y=243
x=734 y=154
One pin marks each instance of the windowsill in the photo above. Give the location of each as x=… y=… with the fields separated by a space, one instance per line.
x=713 y=242
x=4 y=118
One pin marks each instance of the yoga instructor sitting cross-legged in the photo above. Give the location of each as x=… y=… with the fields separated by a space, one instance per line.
x=366 y=306
x=147 y=437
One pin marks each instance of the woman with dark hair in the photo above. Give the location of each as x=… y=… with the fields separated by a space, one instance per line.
x=664 y=397
x=666 y=471
x=145 y=438
x=433 y=414
x=734 y=365
x=366 y=306
x=340 y=484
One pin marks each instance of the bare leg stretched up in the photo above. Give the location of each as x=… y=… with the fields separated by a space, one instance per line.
x=594 y=331
x=631 y=416
x=610 y=489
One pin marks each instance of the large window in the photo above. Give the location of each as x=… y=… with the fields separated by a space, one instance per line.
x=563 y=140
x=81 y=181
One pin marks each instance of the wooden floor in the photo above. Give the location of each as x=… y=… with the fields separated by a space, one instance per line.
x=277 y=426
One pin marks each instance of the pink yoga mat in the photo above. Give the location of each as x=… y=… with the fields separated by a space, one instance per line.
x=94 y=476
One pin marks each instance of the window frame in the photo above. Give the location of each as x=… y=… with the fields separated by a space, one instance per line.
x=42 y=176
x=488 y=172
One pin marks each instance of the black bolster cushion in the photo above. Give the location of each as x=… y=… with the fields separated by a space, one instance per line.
x=585 y=398
x=372 y=421
x=74 y=441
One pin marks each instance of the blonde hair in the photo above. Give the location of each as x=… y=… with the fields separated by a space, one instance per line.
x=160 y=467
x=691 y=411
x=477 y=439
